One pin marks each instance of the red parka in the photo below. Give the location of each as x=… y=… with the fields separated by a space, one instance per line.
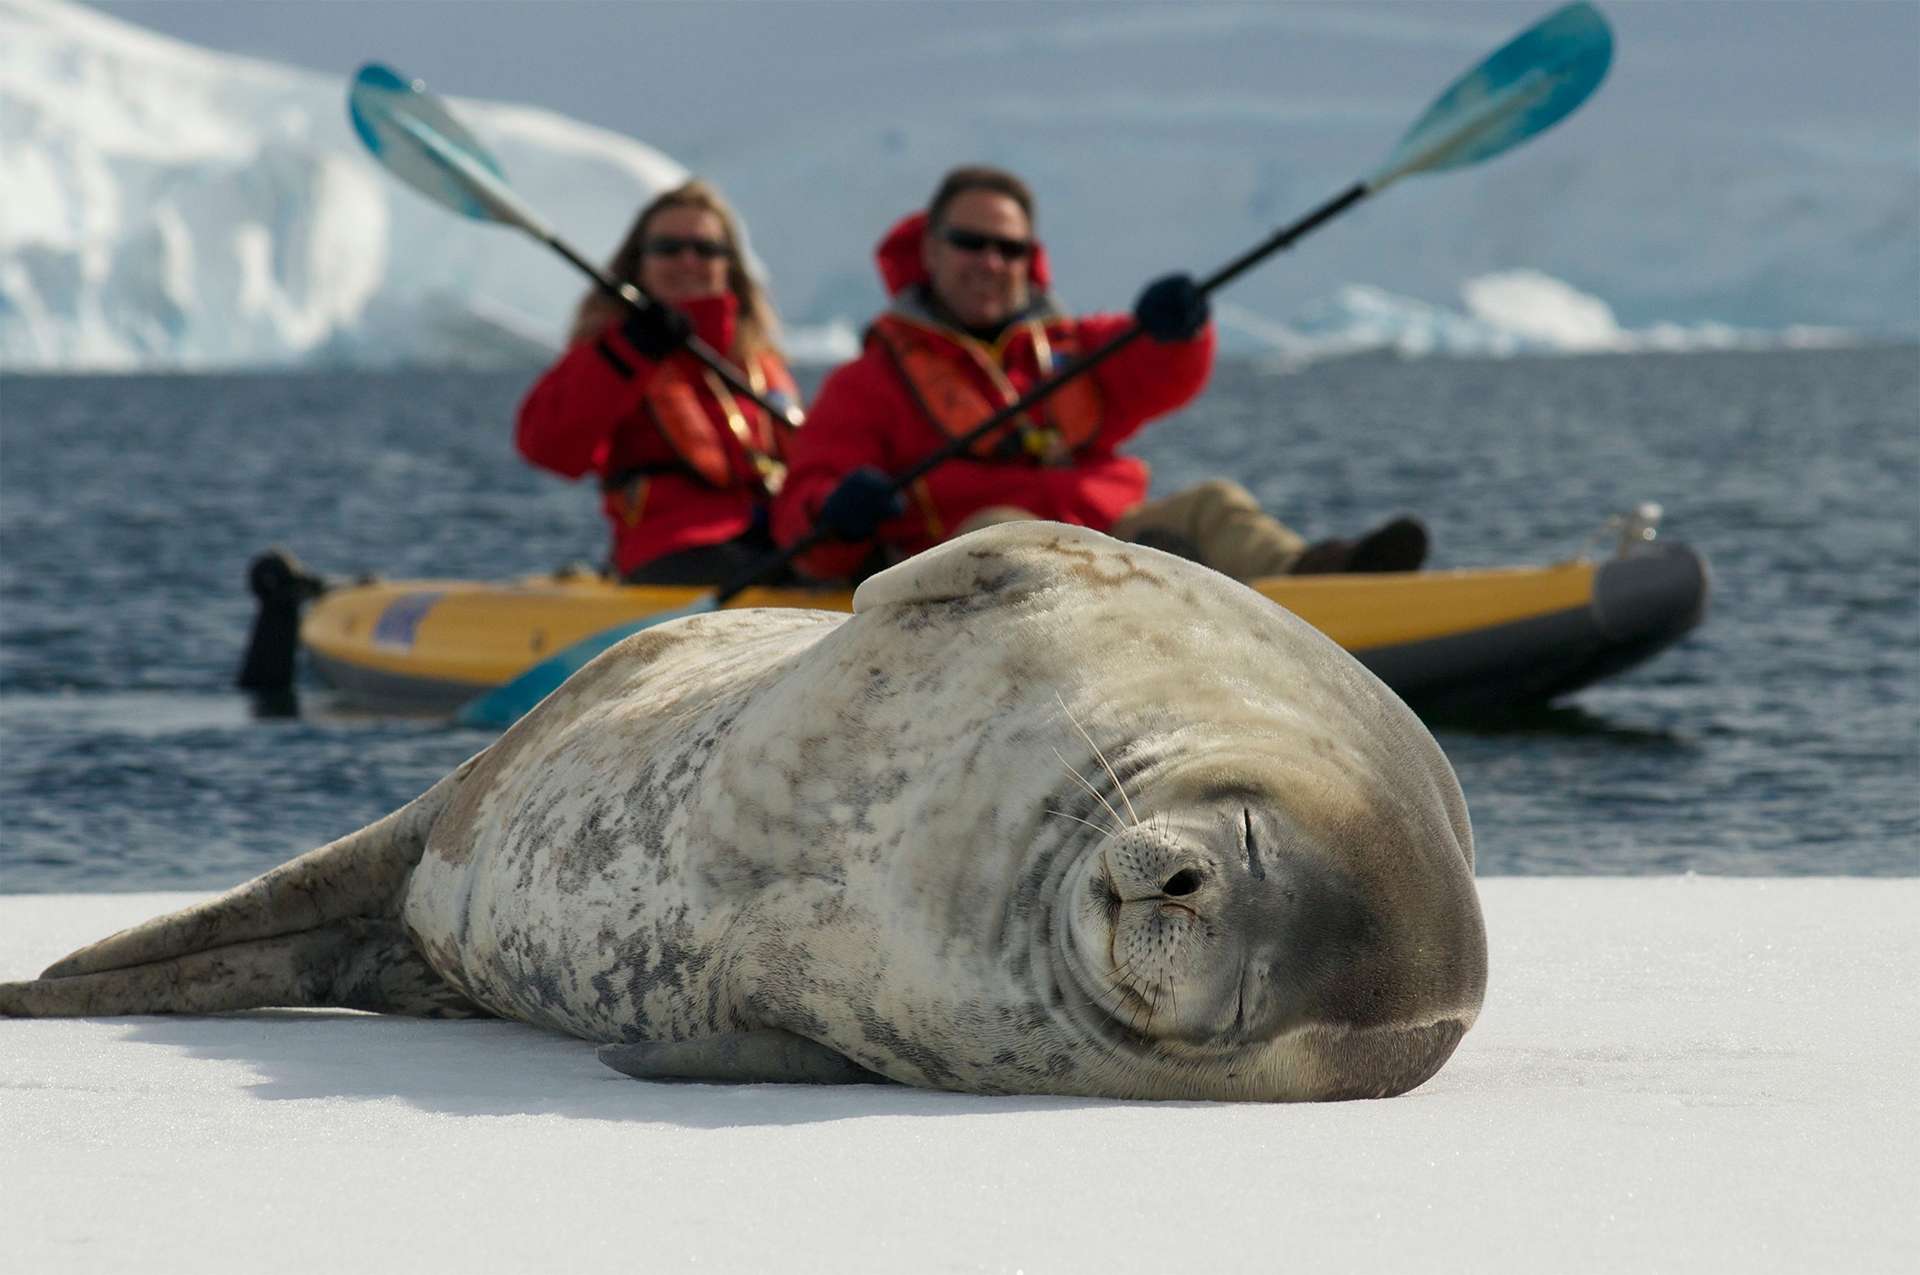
x=867 y=413
x=591 y=413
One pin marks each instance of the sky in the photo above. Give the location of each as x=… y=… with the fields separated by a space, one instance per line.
x=692 y=77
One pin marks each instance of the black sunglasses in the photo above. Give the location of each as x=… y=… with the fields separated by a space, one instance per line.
x=974 y=241
x=674 y=245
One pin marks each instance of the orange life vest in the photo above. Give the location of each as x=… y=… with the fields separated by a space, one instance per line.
x=673 y=405
x=954 y=403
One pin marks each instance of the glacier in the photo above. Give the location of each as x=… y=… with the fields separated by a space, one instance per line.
x=166 y=207
x=163 y=206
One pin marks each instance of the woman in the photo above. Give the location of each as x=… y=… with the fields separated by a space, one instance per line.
x=687 y=467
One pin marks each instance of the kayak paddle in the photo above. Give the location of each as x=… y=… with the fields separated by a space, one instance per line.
x=1524 y=88
x=411 y=133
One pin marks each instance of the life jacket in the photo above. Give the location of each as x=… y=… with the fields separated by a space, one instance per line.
x=672 y=404
x=953 y=402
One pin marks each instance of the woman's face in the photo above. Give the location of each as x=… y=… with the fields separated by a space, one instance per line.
x=684 y=254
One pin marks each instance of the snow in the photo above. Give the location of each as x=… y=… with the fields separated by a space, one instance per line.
x=1690 y=1074
x=171 y=207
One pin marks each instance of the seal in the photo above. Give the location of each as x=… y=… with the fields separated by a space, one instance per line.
x=1047 y=813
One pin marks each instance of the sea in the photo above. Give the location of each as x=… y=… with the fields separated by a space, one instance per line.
x=1782 y=737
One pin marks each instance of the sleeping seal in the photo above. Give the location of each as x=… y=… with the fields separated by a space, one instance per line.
x=1048 y=813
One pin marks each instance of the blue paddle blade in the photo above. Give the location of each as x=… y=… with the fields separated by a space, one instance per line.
x=504 y=705
x=418 y=140
x=1527 y=86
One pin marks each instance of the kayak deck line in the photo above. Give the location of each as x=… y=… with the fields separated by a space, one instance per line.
x=1466 y=639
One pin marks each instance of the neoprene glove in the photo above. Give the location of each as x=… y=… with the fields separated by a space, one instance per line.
x=656 y=331
x=864 y=499
x=1172 y=309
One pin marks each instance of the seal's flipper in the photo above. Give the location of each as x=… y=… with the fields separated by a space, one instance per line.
x=355 y=964
x=767 y=1057
x=361 y=874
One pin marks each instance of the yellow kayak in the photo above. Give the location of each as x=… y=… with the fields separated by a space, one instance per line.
x=1468 y=640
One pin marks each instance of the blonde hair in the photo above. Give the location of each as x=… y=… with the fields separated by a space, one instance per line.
x=756 y=329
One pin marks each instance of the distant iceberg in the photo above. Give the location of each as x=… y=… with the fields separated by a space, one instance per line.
x=1502 y=314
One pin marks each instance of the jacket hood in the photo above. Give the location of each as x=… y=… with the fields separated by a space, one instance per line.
x=898 y=257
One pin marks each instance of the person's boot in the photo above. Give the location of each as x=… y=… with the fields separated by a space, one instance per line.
x=1399 y=545
x=1322 y=557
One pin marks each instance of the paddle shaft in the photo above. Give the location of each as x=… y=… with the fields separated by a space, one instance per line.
x=1276 y=242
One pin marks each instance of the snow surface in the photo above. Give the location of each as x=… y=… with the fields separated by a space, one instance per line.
x=1683 y=1074
x=170 y=207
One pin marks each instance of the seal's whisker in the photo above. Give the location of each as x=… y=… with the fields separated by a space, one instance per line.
x=1120 y=971
x=1110 y=998
x=1122 y=1005
x=1118 y=821
x=1116 y=978
x=1118 y=786
x=1098 y=1002
x=1122 y=987
x=1119 y=998
x=1077 y=819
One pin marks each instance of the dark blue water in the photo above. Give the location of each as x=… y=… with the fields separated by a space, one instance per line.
x=1782 y=737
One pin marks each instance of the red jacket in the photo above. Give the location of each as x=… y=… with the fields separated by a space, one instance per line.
x=867 y=415
x=589 y=413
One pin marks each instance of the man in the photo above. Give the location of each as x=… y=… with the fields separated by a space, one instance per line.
x=970 y=330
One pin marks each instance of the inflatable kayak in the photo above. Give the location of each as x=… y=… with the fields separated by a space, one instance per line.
x=1449 y=642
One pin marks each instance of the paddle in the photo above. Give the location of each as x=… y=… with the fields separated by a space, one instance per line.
x=1524 y=88
x=411 y=132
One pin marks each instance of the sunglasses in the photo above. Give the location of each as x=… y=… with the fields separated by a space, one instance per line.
x=974 y=241
x=674 y=245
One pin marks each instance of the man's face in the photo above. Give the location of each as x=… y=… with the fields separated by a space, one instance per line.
x=982 y=279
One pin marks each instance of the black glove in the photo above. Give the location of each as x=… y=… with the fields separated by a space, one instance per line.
x=656 y=331
x=1172 y=309
x=863 y=500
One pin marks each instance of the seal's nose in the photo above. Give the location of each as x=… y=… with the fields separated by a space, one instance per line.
x=1145 y=863
x=1183 y=883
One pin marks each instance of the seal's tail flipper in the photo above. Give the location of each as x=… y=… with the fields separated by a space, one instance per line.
x=362 y=875
x=353 y=964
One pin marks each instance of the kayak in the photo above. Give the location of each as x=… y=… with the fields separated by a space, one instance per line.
x=1464 y=641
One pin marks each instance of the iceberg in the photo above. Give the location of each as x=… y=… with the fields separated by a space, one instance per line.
x=1502 y=314
x=175 y=209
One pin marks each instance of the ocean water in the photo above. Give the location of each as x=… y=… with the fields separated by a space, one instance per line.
x=1782 y=737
